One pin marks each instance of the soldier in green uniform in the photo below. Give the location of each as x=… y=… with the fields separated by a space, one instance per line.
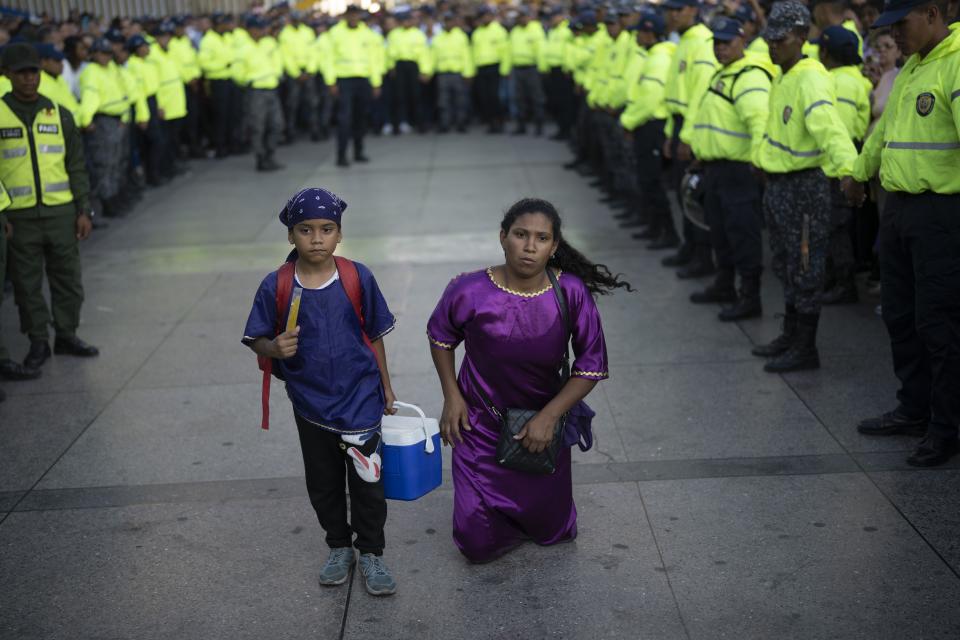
x=44 y=173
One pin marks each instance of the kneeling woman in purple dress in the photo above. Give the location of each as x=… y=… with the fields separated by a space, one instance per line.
x=509 y=320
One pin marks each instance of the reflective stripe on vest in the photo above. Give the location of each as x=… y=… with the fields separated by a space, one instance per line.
x=924 y=146
x=17 y=147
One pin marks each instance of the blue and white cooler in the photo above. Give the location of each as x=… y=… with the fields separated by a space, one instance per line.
x=411 y=454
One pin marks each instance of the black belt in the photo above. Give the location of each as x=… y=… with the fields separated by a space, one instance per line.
x=524 y=66
x=107 y=115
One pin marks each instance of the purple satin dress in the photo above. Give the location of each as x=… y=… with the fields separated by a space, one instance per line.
x=514 y=346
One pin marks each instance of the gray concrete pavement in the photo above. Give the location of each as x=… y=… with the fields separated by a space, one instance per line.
x=140 y=499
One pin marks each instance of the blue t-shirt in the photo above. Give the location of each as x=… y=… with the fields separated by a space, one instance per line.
x=333 y=380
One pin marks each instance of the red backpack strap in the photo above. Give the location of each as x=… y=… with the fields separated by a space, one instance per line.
x=350 y=278
x=284 y=291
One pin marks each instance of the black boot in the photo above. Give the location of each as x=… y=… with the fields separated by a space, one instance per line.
x=38 y=354
x=666 y=240
x=781 y=343
x=682 y=257
x=748 y=302
x=802 y=354
x=844 y=291
x=720 y=290
x=701 y=265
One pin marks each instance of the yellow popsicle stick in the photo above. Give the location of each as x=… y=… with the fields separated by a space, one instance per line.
x=294 y=308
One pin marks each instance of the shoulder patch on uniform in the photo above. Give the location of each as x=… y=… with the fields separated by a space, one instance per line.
x=11 y=132
x=925 y=102
x=787 y=112
x=48 y=128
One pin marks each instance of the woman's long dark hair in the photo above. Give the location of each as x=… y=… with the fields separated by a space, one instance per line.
x=597 y=277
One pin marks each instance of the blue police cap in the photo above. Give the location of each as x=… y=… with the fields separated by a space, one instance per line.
x=726 y=29
x=101 y=45
x=745 y=13
x=838 y=40
x=47 y=51
x=588 y=18
x=256 y=22
x=652 y=22
x=896 y=10
x=165 y=28
x=680 y=4
x=114 y=35
x=135 y=42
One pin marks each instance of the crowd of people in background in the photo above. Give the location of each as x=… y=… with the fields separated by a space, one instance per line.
x=752 y=114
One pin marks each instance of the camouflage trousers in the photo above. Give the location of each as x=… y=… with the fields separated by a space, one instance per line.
x=104 y=147
x=797 y=210
x=266 y=121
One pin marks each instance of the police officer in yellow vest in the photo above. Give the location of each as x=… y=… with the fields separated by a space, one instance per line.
x=490 y=41
x=407 y=55
x=728 y=128
x=104 y=111
x=216 y=59
x=526 y=39
x=693 y=65
x=838 y=53
x=354 y=74
x=263 y=72
x=915 y=147
x=452 y=64
x=558 y=83
x=43 y=171
x=171 y=97
x=804 y=144
x=185 y=55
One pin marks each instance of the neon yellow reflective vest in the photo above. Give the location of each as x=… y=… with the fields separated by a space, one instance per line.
x=612 y=69
x=5 y=86
x=183 y=53
x=408 y=44
x=5 y=200
x=732 y=113
x=138 y=70
x=803 y=128
x=646 y=100
x=451 y=53
x=693 y=64
x=525 y=45
x=134 y=90
x=171 y=96
x=215 y=56
x=853 y=99
x=553 y=51
x=616 y=96
x=18 y=161
x=321 y=56
x=293 y=53
x=490 y=44
x=58 y=90
x=599 y=49
x=101 y=91
x=355 y=53
x=916 y=143
x=241 y=42
x=263 y=64
x=307 y=39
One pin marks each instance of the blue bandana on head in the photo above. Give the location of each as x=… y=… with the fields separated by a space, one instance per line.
x=310 y=204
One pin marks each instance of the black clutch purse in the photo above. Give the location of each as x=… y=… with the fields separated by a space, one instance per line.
x=511 y=453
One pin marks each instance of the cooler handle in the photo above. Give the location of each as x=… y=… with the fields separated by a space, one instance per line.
x=423 y=420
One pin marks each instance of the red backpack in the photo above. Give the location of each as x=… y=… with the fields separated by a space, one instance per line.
x=350 y=279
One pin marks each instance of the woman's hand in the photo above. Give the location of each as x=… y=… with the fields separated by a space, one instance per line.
x=537 y=434
x=453 y=419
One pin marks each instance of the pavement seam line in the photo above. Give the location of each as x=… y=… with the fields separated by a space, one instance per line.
x=955 y=571
x=113 y=398
x=663 y=563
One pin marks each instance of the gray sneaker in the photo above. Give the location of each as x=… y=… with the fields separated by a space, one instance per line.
x=338 y=566
x=376 y=576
